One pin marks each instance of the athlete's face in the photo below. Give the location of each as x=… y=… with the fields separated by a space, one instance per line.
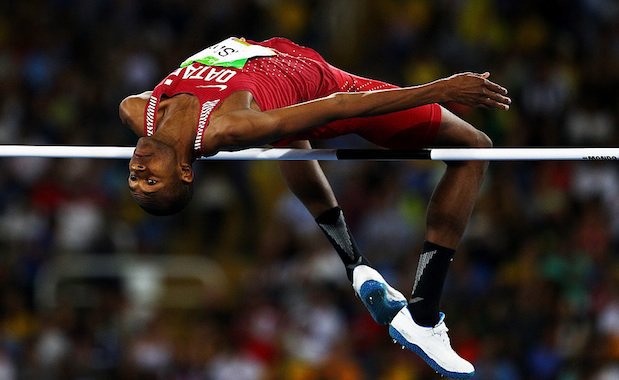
x=153 y=169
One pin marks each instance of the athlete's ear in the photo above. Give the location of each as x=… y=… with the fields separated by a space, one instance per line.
x=186 y=173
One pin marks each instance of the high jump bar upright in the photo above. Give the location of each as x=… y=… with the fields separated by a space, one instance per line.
x=286 y=154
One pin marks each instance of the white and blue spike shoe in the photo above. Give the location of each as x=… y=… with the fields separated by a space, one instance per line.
x=431 y=344
x=382 y=301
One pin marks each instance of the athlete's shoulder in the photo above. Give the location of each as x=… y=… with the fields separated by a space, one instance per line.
x=131 y=111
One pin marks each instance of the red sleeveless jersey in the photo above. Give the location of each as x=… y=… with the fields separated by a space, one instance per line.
x=294 y=74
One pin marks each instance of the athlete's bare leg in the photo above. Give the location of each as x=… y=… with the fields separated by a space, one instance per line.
x=420 y=327
x=448 y=213
x=308 y=182
x=454 y=198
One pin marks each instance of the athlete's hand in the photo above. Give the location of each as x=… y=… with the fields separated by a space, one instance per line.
x=475 y=90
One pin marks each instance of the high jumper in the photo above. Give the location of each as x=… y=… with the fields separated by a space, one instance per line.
x=240 y=94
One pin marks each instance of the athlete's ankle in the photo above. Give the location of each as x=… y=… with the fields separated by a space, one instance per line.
x=423 y=316
x=334 y=226
x=428 y=286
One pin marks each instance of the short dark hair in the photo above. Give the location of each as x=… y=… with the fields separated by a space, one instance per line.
x=164 y=203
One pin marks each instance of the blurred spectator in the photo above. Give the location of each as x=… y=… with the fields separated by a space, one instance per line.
x=532 y=289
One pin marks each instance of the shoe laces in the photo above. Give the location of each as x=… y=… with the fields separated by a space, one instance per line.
x=441 y=331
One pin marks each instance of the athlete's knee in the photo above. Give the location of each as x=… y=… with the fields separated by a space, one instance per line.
x=456 y=132
x=470 y=137
x=480 y=139
x=467 y=135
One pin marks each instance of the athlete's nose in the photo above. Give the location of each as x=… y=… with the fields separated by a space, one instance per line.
x=137 y=167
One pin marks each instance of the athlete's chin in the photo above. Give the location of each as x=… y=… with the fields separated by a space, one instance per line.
x=141 y=154
x=148 y=146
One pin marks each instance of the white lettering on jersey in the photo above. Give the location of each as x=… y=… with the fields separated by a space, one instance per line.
x=208 y=73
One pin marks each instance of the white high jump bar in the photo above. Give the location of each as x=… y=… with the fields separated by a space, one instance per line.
x=286 y=154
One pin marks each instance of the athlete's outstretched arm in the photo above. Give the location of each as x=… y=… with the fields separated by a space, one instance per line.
x=247 y=127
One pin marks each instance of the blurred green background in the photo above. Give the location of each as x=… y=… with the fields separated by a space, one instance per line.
x=242 y=285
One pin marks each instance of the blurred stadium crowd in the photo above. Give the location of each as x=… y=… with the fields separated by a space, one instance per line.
x=533 y=292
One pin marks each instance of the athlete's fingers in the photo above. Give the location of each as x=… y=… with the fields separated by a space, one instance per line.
x=487 y=93
x=496 y=101
x=495 y=87
x=499 y=98
x=477 y=90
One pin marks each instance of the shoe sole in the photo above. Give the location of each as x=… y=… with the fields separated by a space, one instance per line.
x=399 y=338
x=373 y=294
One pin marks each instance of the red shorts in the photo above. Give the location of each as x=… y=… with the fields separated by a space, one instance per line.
x=409 y=129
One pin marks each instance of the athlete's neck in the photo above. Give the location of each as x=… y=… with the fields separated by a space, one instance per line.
x=176 y=123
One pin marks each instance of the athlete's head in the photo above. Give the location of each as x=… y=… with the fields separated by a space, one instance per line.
x=158 y=182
